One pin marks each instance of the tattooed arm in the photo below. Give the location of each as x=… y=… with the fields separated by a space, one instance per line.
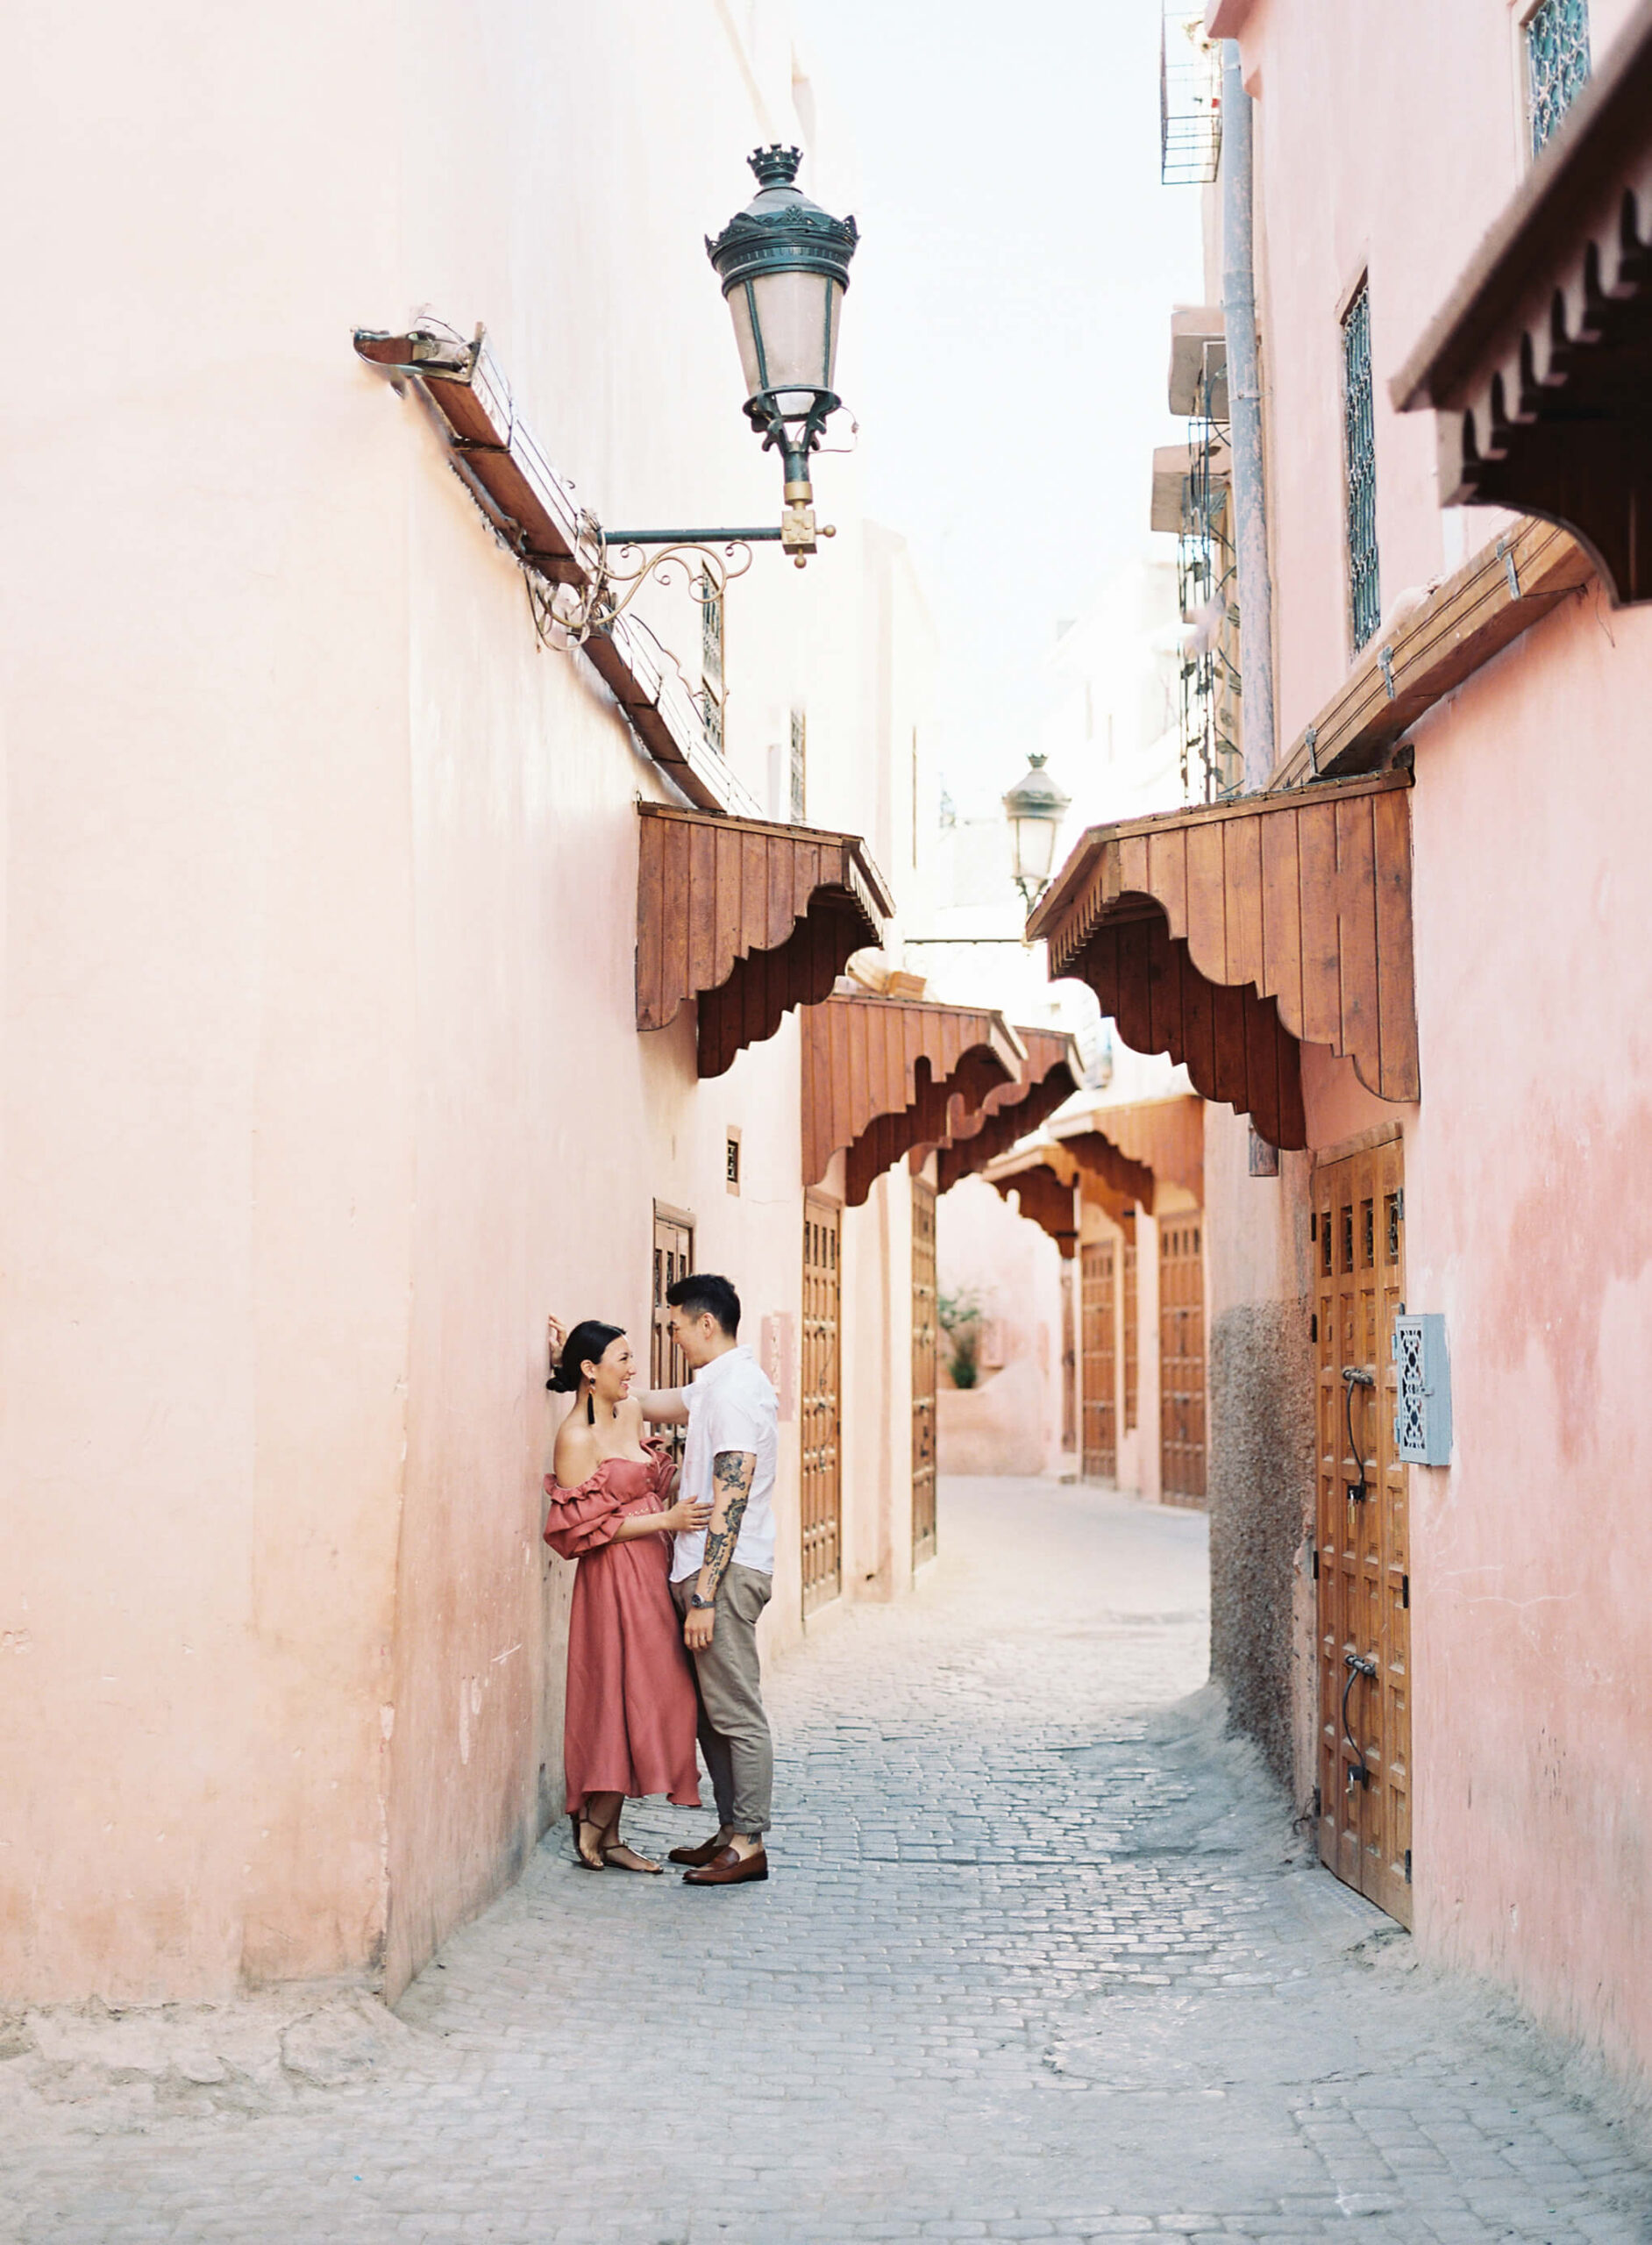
x=731 y=1473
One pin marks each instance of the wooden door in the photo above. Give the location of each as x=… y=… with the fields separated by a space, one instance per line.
x=1362 y=1556
x=923 y=1536
x=1132 y=1328
x=822 y=1486
x=1069 y=1364
x=673 y=1259
x=1181 y=1358
x=1099 y=1264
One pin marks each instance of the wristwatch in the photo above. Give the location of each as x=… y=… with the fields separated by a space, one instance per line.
x=704 y=1604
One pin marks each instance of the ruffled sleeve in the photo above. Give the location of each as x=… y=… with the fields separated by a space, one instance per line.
x=664 y=1471
x=583 y=1519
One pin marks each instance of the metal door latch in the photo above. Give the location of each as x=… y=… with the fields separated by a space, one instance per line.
x=1355 y=1376
x=1357 y=1663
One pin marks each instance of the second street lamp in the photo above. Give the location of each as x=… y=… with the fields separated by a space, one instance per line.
x=1035 y=807
x=784 y=266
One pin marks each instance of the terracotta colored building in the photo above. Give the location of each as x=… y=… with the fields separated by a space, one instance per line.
x=1417 y=967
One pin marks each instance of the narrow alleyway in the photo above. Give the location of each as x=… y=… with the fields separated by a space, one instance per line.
x=1040 y=1958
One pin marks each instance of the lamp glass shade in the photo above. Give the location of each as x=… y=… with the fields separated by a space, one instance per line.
x=1035 y=807
x=786 y=324
x=1033 y=843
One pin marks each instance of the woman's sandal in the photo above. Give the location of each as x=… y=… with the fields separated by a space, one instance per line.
x=620 y=1857
x=583 y=1824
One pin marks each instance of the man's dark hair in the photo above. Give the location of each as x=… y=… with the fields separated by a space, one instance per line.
x=703 y=1291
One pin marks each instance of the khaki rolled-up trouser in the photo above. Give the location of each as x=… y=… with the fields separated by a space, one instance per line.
x=734 y=1731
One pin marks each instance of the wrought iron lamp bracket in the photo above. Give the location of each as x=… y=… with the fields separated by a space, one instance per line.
x=567 y=616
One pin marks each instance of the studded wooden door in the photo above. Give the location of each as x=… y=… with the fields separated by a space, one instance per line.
x=1181 y=1358
x=923 y=1538
x=1361 y=1555
x=673 y=1259
x=822 y=1486
x=1099 y=1264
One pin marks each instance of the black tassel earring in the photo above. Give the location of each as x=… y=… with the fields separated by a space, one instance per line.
x=590 y=1407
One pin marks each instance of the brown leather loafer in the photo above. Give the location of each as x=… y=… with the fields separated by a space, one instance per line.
x=728 y=1869
x=707 y=1851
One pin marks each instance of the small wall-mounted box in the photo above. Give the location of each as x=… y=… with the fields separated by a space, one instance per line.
x=1422 y=1412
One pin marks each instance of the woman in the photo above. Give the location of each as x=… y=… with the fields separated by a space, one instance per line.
x=629 y=1725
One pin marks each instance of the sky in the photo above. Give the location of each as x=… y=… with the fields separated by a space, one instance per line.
x=1010 y=308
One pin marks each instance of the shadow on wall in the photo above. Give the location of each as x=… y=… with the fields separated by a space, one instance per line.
x=996 y=1427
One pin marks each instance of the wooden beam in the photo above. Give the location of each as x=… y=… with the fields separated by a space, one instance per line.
x=494 y=455
x=1512 y=582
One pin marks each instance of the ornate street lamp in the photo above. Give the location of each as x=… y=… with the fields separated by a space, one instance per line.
x=1035 y=807
x=784 y=266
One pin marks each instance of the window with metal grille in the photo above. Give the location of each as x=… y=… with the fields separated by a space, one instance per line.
x=673 y=1259
x=1359 y=455
x=799 y=767
x=1211 y=766
x=1557 y=63
x=711 y=659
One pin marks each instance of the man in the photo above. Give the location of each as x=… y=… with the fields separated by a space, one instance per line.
x=722 y=1576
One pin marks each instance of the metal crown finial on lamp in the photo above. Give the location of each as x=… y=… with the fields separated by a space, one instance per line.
x=1034 y=807
x=784 y=266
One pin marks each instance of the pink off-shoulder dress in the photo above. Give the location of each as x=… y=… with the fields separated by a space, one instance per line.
x=630 y=1725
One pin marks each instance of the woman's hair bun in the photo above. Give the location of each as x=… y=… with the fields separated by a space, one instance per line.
x=587 y=1344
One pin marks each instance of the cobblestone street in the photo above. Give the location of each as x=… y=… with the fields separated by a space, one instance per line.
x=1040 y=1959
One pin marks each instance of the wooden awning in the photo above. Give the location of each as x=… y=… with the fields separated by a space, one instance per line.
x=747 y=918
x=975 y=1135
x=1102 y=1172
x=536 y=516
x=1044 y=1181
x=1224 y=936
x=1536 y=366
x=1112 y=1157
x=1159 y=1140
x=879 y=1072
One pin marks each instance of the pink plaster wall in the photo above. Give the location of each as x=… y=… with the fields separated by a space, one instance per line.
x=321 y=1082
x=1528 y=1226
x=1011 y=1423
x=1388 y=139
x=209 y=999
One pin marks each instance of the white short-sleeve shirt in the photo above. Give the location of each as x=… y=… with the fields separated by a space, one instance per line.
x=732 y=1406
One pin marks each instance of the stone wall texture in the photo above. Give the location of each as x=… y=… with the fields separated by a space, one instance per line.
x=1260 y=1507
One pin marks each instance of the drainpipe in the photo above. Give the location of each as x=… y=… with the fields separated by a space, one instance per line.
x=1244 y=411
